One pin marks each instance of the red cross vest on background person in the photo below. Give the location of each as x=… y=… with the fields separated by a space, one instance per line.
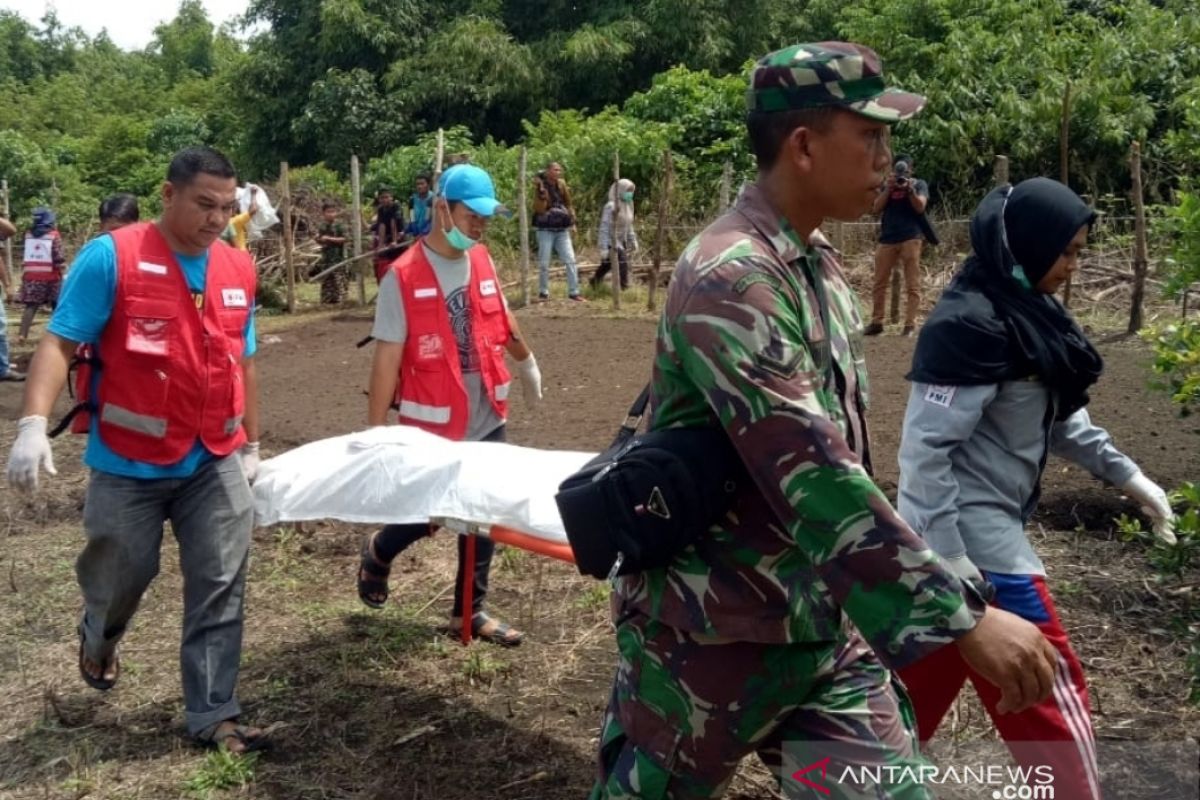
x=38 y=263
x=170 y=372
x=431 y=394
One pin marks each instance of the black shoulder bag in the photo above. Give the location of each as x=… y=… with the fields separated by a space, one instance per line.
x=648 y=496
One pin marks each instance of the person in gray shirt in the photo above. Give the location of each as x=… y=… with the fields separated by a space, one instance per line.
x=1000 y=379
x=442 y=329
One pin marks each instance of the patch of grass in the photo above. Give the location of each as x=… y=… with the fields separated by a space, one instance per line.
x=318 y=612
x=510 y=559
x=438 y=646
x=221 y=770
x=277 y=687
x=1067 y=588
x=481 y=666
x=594 y=597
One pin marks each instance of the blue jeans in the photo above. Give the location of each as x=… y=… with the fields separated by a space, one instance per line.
x=3 y=336
x=550 y=242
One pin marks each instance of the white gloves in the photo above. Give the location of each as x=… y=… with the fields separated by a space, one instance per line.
x=30 y=451
x=964 y=569
x=531 y=379
x=1153 y=501
x=250 y=460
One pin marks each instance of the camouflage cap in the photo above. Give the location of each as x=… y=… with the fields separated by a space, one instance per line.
x=828 y=74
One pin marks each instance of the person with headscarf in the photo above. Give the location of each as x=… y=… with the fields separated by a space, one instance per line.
x=616 y=231
x=117 y=211
x=1000 y=380
x=41 y=268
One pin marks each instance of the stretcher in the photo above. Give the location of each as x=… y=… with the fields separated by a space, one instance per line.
x=398 y=474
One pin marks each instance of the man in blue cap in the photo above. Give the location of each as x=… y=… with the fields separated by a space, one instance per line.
x=441 y=330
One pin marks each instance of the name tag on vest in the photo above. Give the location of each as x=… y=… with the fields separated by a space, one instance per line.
x=425 y=294
x=156 y=269
x=940 y=395
x=233 y=298
x=487 y=287
x=38 y=250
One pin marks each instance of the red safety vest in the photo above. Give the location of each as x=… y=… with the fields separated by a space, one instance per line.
x=38 y=263
x=171 y=373
x=431 y=394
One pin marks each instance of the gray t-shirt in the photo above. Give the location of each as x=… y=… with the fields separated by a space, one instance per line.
x=391 y=326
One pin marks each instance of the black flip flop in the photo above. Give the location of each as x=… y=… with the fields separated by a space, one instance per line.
x=250 y=744
x=100 y=684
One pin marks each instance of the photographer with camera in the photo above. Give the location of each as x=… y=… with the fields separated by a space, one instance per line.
x=902 y=228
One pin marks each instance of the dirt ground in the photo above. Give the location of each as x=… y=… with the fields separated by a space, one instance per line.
x=379 y=705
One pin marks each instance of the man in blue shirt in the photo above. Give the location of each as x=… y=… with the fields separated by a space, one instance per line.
x=163 y=305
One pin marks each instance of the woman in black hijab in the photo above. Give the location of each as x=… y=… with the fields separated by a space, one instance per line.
x=1000 y=379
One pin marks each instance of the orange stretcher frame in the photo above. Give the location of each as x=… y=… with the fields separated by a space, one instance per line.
x=497 y=533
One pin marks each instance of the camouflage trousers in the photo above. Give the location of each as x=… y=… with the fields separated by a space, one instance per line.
x=685 y=710
x=333 y=286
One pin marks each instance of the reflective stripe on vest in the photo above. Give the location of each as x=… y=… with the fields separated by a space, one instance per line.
x=502 y=390
x=435 y=415
x=141 y=423
x=232 y=424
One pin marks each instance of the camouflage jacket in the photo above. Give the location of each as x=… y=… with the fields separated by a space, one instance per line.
x=761 y=334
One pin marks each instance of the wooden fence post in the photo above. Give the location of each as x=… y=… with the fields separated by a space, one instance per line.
x=664 y=209
x=726 y=185
x=1064 y=151
x=523 y=216
x=356 y=228
x=612 y=239
x=1139 y=241
x=1000 y=170
x=439 y=156
x=286 y=204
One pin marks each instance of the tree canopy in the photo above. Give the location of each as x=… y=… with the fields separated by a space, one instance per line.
x=321 y=79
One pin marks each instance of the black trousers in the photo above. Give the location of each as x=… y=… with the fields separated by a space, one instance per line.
x=392 y=540
x=606 y=265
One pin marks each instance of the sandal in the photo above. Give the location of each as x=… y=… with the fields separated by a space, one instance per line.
x=251 y=739
x=502 y=634
x=375 y=585
x=101 y=684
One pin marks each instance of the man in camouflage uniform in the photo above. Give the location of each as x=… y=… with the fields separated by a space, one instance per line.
x=781 y=622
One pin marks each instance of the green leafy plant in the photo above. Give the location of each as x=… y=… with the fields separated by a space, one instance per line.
x=221 y=770
x=1177 y=360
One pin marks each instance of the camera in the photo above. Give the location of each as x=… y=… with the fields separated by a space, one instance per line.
x=901 y=169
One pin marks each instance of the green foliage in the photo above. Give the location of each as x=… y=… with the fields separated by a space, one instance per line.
x=221 y=770
x=1182 y=224
x=397 y=168
x=1177 y=360
x=318 y=183
x=576 y=82
x=186 y=43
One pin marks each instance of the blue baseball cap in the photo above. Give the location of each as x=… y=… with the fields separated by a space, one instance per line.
x=468 y=184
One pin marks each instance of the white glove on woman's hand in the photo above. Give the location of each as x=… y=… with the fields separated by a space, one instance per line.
x=250 y=460
x=30 y=451
x=531 y=379
x=1154 y=503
